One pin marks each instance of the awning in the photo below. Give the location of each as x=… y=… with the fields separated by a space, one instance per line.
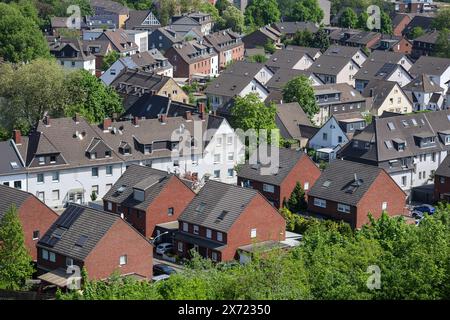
x=201 y=242
x=58 y=277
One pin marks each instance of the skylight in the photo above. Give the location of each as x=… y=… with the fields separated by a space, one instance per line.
x=391 y=126
x=81 y=241
x=388 y=144
x=222 y=215
x=200 y=207
x=405 y=123
x=327 y=183
x=14 y=165
x=414 y=122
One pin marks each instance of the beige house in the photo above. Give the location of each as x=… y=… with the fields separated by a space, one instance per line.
x=335 y=69
x=387 y=96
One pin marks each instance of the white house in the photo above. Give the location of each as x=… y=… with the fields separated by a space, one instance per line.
x=328 y=140
x=438 y=69
x=426 y=95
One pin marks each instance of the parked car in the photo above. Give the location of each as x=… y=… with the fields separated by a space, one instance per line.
x=163 y=269
x=160 y=277
x=164 y=247
x=425 y=208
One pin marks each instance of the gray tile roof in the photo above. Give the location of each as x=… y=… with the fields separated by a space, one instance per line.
x=423 y=83
x=136 y=19
x=141 y=177
x=151 y=106
x=10 y=196
x=282 y=76
x=224 y=40
x=291 y=27
x=338 y=178
x=347 y=93
x=311 y=51
x=215 y=198
x=111 y=6
x=377 y=70
x=444 y=168
x=331 y=65
x=291 y=116
x=387 y=57
x=193 y=51
x=78 y=224
x=430 y=65
x=379 y=91
x=9 y=157
x=343 y=51
x=286 y=59
x=288 y=158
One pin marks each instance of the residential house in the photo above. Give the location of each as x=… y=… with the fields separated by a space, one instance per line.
x=276 y=181
x=107 y=13
x=294 y=124
x=12 y=167
x=409 y=147
x=151 y=106
x=365 y=39
x=223 y=219
x=119 y=39
x=425 y=45
x=289 y=28
x=422 y=21
x=68 y=160
x=335 y=69
x=442 y=178
x=328 y=140
x=71 y=54
x=425 y=94
x=149 y=61
x=145 y=198
x=354 y=53
x=193 y=58
x=61 y=25
x=142 y=20
x=164 y=38
x=399 y=23
x=289 y=59
x=373 y=70
x=394 y=44
x=349 y=191
x=34 y=216
x=391 y=57
x=386 y=96
x=99 y=48
x=262 y=36
x=351 y=123
x=140 y=37
x=199 y=20
x=338 y=98
x=239 y=79
x=132 y=84
x=340 y=35
x=228 y=45
x=97 y=240
x=312 y=52
x=438 y=69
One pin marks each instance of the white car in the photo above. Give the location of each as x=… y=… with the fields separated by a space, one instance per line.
x=164 y=247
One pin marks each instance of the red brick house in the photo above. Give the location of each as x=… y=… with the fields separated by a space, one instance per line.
x=399 y=23
x=295 y=166
x=224 y=218
x=348 y=191
x=442 y=181
x=228 y=45
x=36 y=218
x=192 y=58
x=147 y=197
x=100 y=241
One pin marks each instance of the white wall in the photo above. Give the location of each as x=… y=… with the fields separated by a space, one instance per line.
x=304 y=63
x=88 y=65
x=22 y=177
x=333 y=132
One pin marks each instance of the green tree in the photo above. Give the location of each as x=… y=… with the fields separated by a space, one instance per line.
x=386 y=23
x=109 y=59
x=250 y=112
x=303 y=38
x=321 y=39
x=90 y=98
x=416 y=32
x=286 y=8
x=15 y=261
x=261 y=12
x=299 y=90
x=307 y=10
x=259 y=58
x=207 y=7
x=443 y=44
x=234 y=19
x=270 y=47
x=20 y=37
x=297 y=202
x=362 y=20
x=221 y=5
x=348 y=19
x=29 y=91
x=442 y=19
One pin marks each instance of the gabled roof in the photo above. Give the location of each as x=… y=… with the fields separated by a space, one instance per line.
x=218 y=205
x=347 y=92
x=77 y=231
x=424 y=22
x=224 y=40
x=137 y=17
x=371 y=70
x=430 y=65
x=288 y=158
x=11 y=196
x=331 y=65
x=444 y=168
x=151 y=106
x=345 y=182
x=291 y=27
x=120 y=40
x=363 y=38
x=311 y=51
x=11 y=162
x=423 y=83
x=387 y=57
x=292 y=116
x=430 y=37
x=286 y=59
x=111 y=6
x=194 y=51
x=378 y=90
x=282 y=76
x=343 y=51
x=143 y=178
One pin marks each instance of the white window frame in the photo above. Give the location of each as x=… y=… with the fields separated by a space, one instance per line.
x=253 y=233
x=321 y=203
x=345 y=208
x=219 y=236
x=209 y=233
x=268 y=188
x=384 y=205
x=196 y=229
x=123 y=260
x=185 y=227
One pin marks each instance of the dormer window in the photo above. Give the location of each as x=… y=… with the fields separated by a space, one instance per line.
x=41 y=160
x=93 y=155
x=107 y=154
x=52 y=159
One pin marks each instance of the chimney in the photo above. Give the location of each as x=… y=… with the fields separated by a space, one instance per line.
x=76 y=118
x=135 y=121
x=107 y=123
x=162 y=118
x=202 y=110
x=17 y=136
x=188 y=116
x=47 y=120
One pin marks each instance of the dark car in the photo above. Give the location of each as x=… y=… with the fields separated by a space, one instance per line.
x=425 y=208
x=163 y=269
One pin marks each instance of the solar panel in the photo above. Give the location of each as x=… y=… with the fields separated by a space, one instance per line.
x=69 y=216
x=81 y=241
x=58 y=233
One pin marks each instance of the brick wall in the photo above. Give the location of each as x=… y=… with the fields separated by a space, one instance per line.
x=441 y=188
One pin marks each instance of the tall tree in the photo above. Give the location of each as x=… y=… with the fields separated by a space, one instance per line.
x=15 y=261
x=321 y=39
x=348 y=19
x=297 y=202
x=362 y=20
x=442 y=19
x=90 y=98
x=443 y=43
x=221 y=5
x=299 y=90
x=234 y=19
x=303 y=38
x=262 y=12
x=416 y=32
x=29 y=91
x=386 y=23
x=109 y=59
x=20 y=37
x=307 y=10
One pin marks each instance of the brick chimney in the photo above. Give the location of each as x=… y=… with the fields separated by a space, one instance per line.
x=135 y=121
x=47 y=120
x=162 y=118
x=107 y=123
x=188 y=115
x=17 y=136
x=202 y=110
